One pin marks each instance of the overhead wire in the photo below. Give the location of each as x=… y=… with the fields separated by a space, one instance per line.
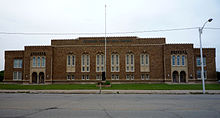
x=100 y=33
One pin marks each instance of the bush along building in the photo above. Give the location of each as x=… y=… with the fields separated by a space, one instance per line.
x=129 y=60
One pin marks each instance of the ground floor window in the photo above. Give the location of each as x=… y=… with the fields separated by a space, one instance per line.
x=70 y=77
x=199 y=74
x=145 y=77
x=98 y=77
x=129 y=77
x=115 y=77
x=17 y=75
x=85 y=77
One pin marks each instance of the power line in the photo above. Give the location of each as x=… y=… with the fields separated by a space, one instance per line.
x=99 y=33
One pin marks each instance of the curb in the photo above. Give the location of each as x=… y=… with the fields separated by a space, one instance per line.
x=111 y=91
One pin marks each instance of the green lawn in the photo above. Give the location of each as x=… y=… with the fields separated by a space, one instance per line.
x=114 y=87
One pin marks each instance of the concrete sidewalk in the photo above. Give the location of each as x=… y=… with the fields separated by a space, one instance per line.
x=112 y=91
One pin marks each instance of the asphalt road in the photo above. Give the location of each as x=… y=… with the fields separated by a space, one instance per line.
x=108 y=106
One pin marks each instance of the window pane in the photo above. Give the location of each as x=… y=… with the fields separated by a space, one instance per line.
x=15 y=63
x=14 y=75
x=87 y=60
x=83 y=60
x=178 y=60
x=102 y=61
x=198 y=62
x=113 y=77
x=146 y=59
x=127 y=77
x=68 y=60
x=127 y=58
x=43 y=61
x=142 y=59
x=73 y=77
x=132 y=59
x=34 y=62
x=117 y=69
x=204 y=61
x=19 y=75
x=142 y=76
x=173 y=60
x=97 y=59
x=38 y=61
x=183 y=60
x=112 y=60
x=117 y=59
x=198 y=74
x=73 y=60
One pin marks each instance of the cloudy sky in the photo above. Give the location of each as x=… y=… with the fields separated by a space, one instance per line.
x=87 y=16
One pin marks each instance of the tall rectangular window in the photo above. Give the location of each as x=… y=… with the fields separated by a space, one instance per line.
x=43 y=61
x=73 y=60
x=100 y=62
x=183 y=60
x=38 y=61
x=34 y=62
x=144 y=59
x=85 y=63
x=129 y=63
x=114 y=63
x=97 y=60
x=68 y=60
x=198 y=61
x=178 y=60
x=173 y=60
x=17 y=63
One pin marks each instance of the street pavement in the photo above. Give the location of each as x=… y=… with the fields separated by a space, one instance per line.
x=22 y=105
x=113 y=91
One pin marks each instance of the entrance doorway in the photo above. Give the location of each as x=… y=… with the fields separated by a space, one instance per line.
x=182 y=76
x=175 y=77
x=34 y=77
x=41 y=77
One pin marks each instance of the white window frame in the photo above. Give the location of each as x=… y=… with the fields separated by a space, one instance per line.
x=199 y=76
x=34 y=64
x=17 y=75
x=17 y=63
x=100 y=62
x=173 y=60
x=68 y=77
x=115 y=62
x=198 y=61
x=85 y=63
x=130 y=62
x=43 y=63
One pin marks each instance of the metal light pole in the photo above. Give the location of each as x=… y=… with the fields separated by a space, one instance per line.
x=105 y=41
x=201 y=55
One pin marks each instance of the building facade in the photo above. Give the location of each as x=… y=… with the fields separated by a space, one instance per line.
x=129 y=60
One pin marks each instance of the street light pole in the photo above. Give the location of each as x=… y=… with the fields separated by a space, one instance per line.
x=201 y=55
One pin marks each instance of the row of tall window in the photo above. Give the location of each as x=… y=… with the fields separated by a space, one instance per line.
x=113 y=77
x=178 y=60
x=115 y=62
x=38 y=61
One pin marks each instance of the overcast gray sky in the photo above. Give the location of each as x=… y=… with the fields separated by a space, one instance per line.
x=74 y=16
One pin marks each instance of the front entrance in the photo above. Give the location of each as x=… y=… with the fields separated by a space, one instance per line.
x=34 y=77
x=41 y=77
x=182 y=76
x=175 y=77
